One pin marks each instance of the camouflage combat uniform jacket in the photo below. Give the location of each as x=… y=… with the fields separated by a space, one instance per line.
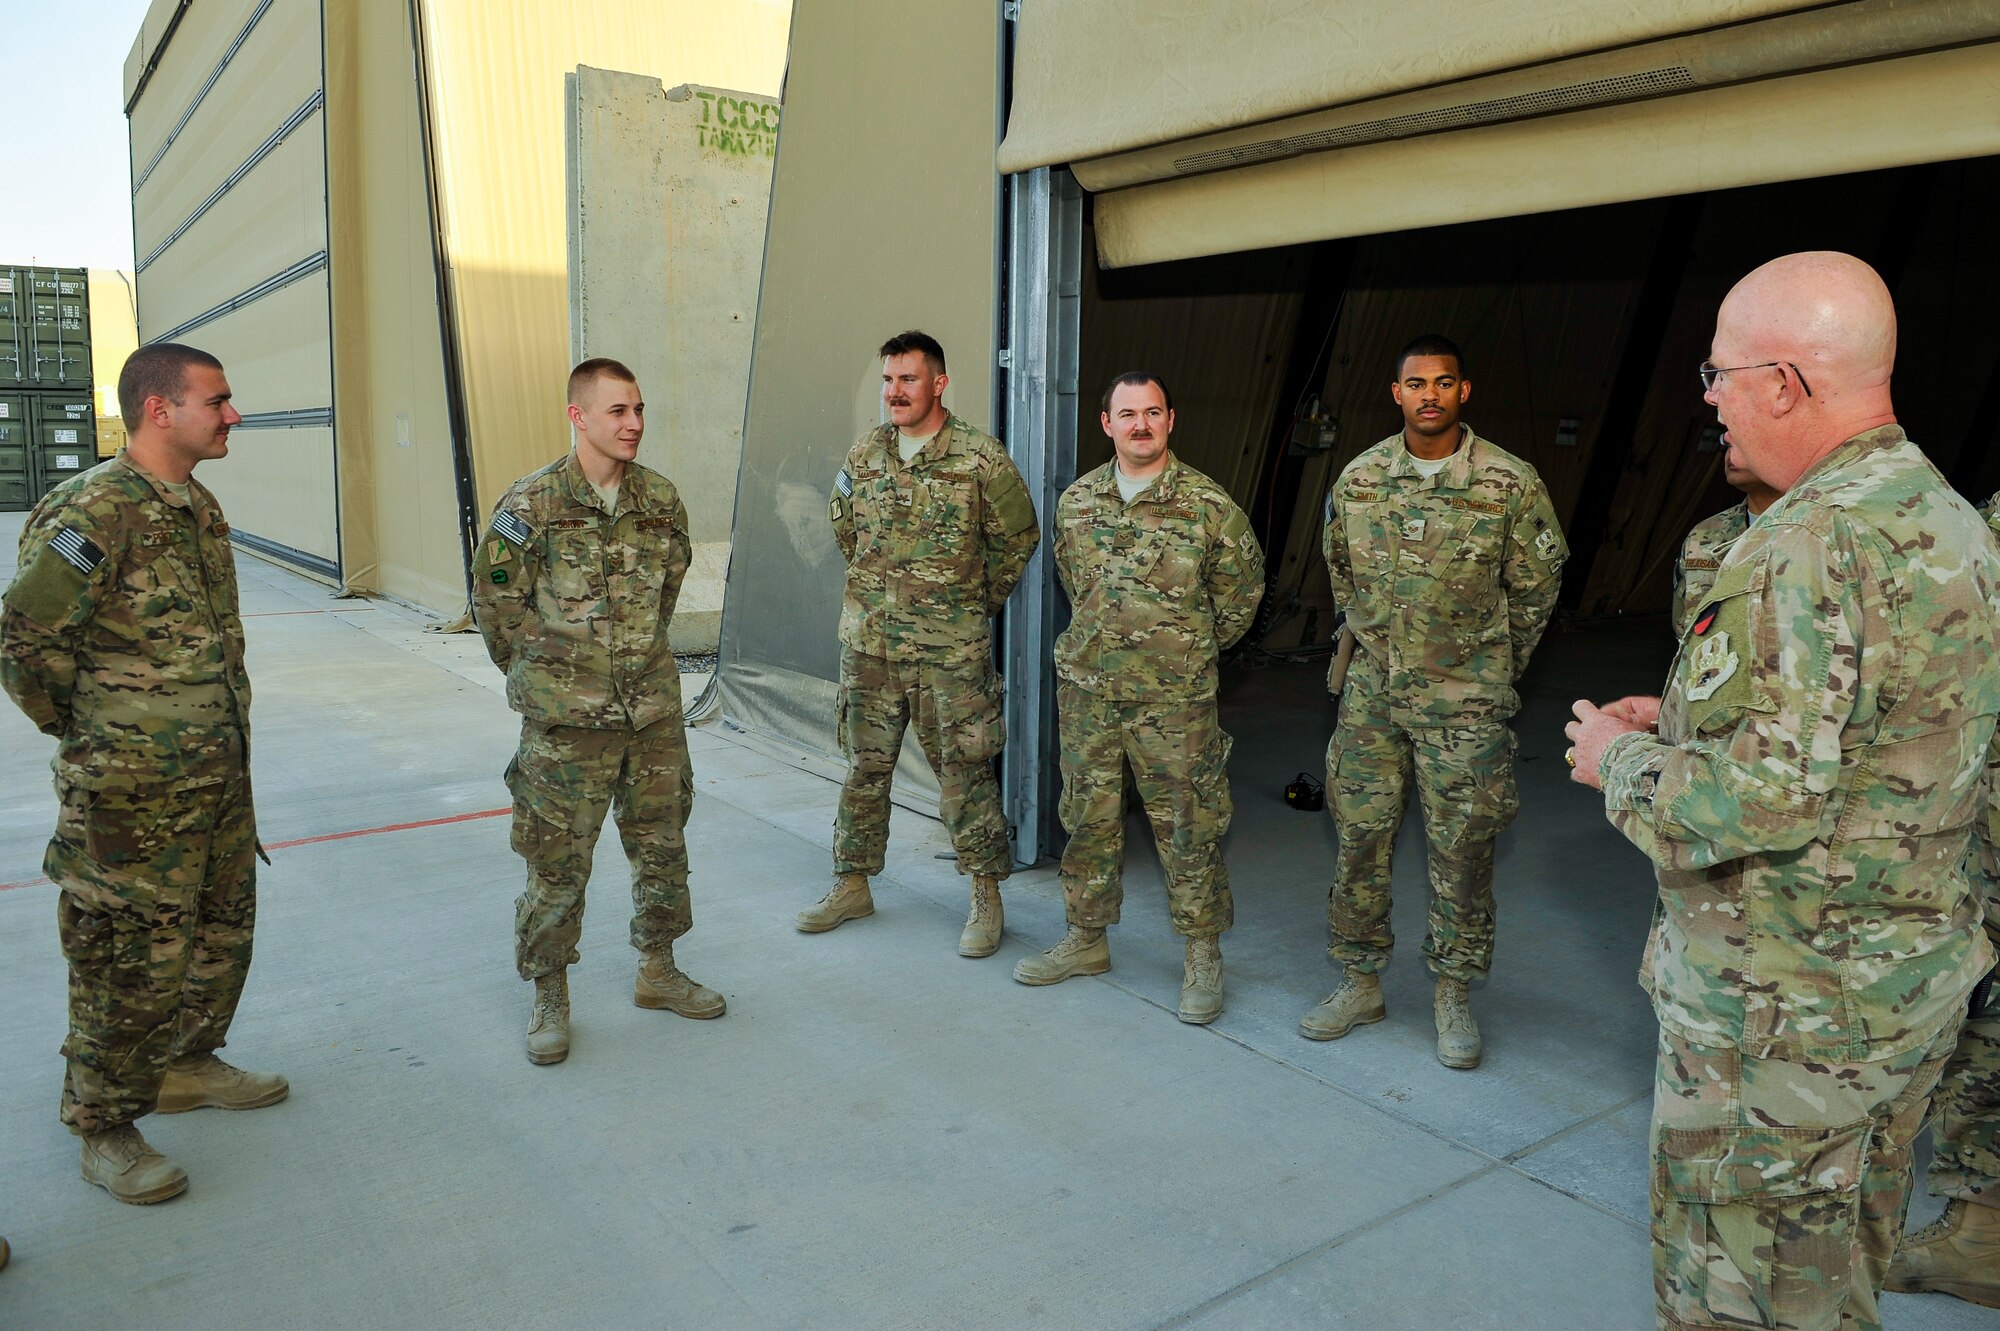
x=1447 y=580
x=121 y=635
x=1158 y=587
x=574 y=602
x=1817 y=771
x=1701 y=555
x=933 y=548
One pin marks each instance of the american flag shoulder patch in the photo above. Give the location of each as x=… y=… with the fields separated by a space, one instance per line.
x=76 y=550
x=510 y=528
x=844 y=483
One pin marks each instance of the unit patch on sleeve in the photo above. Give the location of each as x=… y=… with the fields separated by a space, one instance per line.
x=77 y=550
x=510 y=528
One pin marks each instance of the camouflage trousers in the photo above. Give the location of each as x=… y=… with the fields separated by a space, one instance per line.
x=955 y=710
x=1965 y=1157
x=564 y=779
x=1465 y=784
x=1779 y=1187
x=158 y=904
x=1180 y=760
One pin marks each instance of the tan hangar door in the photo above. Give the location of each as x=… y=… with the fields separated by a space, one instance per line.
x=1278 y=124
x=884 y=216
x=230 y=232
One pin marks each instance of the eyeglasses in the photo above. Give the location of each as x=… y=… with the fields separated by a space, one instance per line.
x=1710 y=373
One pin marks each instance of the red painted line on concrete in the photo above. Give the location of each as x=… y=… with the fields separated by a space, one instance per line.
x=391 y=827
x=332 y=836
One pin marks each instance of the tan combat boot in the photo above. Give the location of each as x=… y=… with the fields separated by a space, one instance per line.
x=207 y=1081
x=664 y=985
x=1458 y=1033
x=1357 y=1002
x=1081 y=952
x=1201 y=988
x=1957 y=1254
x=982 y=928
x=849 y=900
x=548 y=1024
x=119 y=1161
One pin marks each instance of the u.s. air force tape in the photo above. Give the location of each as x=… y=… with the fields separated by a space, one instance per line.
x=76 y=549
x=509 y=527
x=844 y=483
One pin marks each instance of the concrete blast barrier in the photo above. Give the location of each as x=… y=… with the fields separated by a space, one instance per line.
x=669 y=191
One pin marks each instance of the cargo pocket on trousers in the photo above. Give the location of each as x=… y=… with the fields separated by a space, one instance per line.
x=970 y=728
x=1761 y=1223
x=1211 y=783
x=532 y=827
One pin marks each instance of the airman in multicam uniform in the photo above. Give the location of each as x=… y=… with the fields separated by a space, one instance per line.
x=1445 y=553
x=1163 y=573
x=573 y=588
x=1807 y=790
x=1708 y=542
x=121 y=638
x=936 y=527
x=1959 y=1252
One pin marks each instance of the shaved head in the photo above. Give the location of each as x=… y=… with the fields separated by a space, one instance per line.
x=1806 y=345
x=1825 y=310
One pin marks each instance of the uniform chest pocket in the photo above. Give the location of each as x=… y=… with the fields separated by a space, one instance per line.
x=1470 y=551
x=947 y=503
x=1713 y=671
x=1369 y=540
x=1175 y=565
x=162 y=583
x=663 y=549
x=576 y=559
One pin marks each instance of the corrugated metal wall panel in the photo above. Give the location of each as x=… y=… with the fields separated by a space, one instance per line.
x=279 y=71
x=275 y=349
x=203 y=36
x=264 y=226
x=277 y=488
x=277 y=484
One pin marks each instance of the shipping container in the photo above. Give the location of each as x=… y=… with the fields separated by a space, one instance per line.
x=62 y=438
x=44 y=328
x=16 y=491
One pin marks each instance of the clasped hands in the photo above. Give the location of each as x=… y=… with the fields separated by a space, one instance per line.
x=1595 y=727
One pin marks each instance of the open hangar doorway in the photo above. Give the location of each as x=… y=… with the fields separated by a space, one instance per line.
x=1583 y=329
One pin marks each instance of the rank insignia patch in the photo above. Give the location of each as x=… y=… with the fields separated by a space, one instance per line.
x=1711 y=666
